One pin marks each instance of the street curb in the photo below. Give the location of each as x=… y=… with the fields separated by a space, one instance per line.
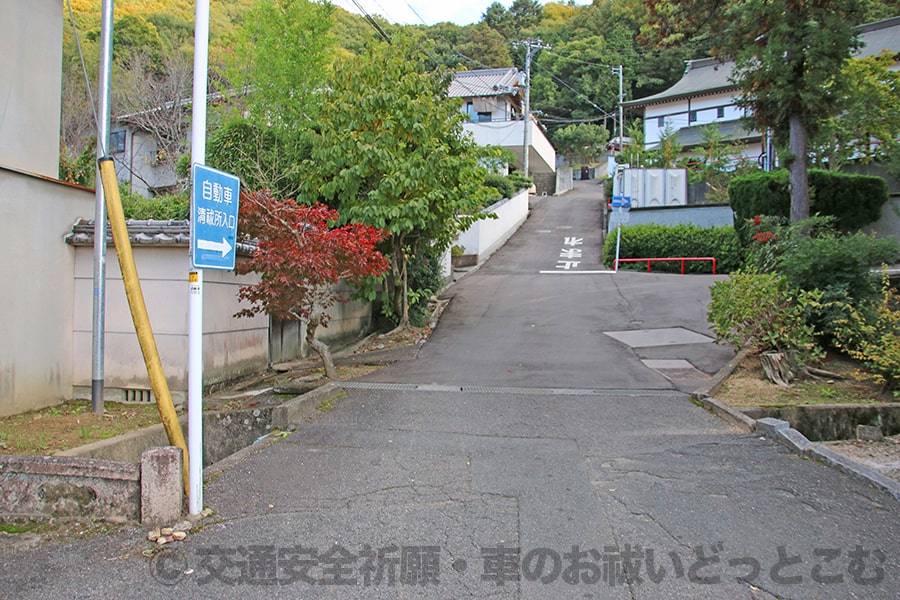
x=703 y=396
x=780 y=431
x=284 y=416
x=304 y=406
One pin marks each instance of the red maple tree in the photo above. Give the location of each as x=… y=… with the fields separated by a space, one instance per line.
x=301 y=260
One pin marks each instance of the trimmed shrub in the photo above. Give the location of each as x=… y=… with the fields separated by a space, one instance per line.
x=506 y=185
x=854 y=200
x=667 y=241
x=162 y=208
x=813 y=256
x=760 y=312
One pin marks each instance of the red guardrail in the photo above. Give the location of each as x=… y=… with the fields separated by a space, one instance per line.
x=683 y=259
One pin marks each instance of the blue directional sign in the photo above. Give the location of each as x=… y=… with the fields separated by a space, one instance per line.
x=214 y=215
x=621 y=201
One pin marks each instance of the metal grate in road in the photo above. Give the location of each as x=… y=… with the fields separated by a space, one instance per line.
x=517 y=391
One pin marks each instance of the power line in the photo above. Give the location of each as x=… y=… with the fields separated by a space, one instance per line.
x=577 y=92
x=372 y=22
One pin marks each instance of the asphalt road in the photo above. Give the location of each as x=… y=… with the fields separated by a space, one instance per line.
x=541 y=445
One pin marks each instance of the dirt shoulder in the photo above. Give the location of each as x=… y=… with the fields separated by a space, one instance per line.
x=72 y=424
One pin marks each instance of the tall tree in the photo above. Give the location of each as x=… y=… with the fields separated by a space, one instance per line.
x=391 y=152
x=866 y=126
x=787 y=54
x=581 y=142
x=301 y=260
x=280 y=64
x=283 y=54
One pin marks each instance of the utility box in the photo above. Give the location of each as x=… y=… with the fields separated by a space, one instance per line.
x=651 y=188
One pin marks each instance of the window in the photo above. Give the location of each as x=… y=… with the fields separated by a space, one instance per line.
x=117 y=142
x=692 y=116
x=660 y=121
x=720 y=112
x=484 y=117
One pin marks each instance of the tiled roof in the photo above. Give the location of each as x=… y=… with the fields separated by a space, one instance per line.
x=882 y=35
x=710 y=75
x=145 y=233
x=484 y=82
x=703 y=76
x=731 y=131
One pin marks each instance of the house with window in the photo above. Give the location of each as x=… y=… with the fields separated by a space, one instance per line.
x=706 y=95
x=493 y=100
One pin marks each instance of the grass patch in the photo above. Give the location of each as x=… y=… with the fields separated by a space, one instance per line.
x=69 y=425
x=748 y=387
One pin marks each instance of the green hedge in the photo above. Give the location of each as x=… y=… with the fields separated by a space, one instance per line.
x=854 y=200
x=162 y=208
x=665 y=241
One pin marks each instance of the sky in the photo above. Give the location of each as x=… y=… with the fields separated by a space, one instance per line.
x=461 y=12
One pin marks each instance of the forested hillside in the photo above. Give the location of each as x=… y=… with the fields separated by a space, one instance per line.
x=573 y=81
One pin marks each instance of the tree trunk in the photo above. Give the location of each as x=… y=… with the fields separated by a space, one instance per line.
x=797 y=167
x=778 y=367
x=319 y=347
x=401 y=289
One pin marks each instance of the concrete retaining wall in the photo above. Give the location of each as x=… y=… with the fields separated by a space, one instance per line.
x=136 y=476
x=63 y=487
x=484 y=237
x=709 y=215
x=820 y=423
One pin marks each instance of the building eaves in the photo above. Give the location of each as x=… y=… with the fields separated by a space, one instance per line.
x=731 y=131
x=879 y=36
x=146 y=233
x=707 y=76
x=702 y=77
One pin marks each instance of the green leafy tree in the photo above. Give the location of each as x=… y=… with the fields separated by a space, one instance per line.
x=582 y=142
x=667 y=153
x=390 y=152
x=866 y=125
x=717 y=163
x=523 y=14
x=261 y=157
x=283 y=54
x=787 y=54
x=488 y=45
x=280 y=65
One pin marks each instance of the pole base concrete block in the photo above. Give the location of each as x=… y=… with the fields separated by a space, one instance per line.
x=162 y=486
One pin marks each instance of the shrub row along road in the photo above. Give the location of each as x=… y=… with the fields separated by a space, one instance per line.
x=541 y=445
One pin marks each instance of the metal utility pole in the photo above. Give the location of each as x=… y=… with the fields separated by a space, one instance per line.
x=531 y=48
x=98 y=321
x=195 y=277
x=614 y=71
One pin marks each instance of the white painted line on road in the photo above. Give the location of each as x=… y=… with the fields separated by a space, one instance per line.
x=563 y=272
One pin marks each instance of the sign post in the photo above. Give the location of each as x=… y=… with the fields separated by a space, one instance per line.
x=214 y=214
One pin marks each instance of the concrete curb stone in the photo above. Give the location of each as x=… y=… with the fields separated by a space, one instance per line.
x=781 y=432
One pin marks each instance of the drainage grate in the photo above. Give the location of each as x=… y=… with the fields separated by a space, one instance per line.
x=518 y=391
x=135 y=396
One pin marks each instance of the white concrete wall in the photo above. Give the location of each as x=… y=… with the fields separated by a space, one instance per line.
x=231 y=346
x=484 y=237
x=676 y=114
x=30 y=85
x=38 y=289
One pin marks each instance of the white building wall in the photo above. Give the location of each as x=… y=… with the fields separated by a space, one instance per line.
x=231 y=347
x=677 y=114
x=30 y=85
x=36 y=304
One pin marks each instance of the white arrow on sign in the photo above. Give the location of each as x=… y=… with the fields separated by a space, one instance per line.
x=224 y=247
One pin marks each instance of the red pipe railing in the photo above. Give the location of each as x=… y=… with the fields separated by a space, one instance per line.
x=683 y=259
